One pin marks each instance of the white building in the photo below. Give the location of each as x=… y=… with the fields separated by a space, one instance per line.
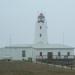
x=40 y=49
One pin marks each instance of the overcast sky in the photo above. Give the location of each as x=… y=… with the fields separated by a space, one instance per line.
x=18 y=19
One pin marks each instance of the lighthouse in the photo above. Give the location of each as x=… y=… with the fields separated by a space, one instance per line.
x=41 y=30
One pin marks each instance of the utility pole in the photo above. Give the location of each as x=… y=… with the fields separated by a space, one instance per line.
x=63 y=38
x=10 y=40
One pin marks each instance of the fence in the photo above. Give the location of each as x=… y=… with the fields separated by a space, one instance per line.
x=58 y=60
x=56 y=57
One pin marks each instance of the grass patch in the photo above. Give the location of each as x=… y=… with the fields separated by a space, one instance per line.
x=27 y=68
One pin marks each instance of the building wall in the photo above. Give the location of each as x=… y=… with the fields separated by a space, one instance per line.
x=55 y=52
x=15 y=53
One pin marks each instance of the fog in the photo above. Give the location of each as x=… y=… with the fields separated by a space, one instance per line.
x=18 y=20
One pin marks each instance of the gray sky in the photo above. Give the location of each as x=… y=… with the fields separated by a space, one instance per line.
x=18 y=18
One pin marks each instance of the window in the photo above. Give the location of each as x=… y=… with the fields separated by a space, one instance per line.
x=68 y=53
x=23 y=53
x=40 y=53
x=59 y=54
x=40 y=27
x=41 y=20
x=40 y=35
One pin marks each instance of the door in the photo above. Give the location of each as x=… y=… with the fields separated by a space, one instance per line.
x=49 y=55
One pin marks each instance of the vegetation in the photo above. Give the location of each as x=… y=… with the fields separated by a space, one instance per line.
x=27 y=68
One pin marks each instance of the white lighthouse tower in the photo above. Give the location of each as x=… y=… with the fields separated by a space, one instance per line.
x=41 y=30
